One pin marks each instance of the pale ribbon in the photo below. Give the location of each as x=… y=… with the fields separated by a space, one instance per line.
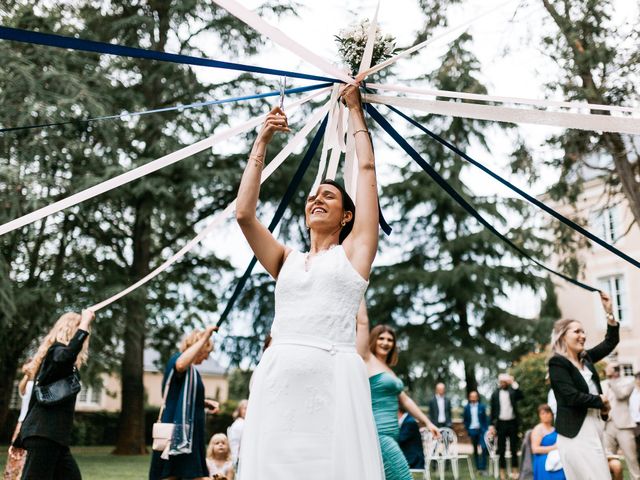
x=277 y=36
x=498 y=99
x=142 y=170
x=580 y=121
x=221 y=216
x=328 y=141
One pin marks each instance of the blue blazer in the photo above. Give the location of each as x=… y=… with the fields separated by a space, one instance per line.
x=483 y=418
x=410 y=442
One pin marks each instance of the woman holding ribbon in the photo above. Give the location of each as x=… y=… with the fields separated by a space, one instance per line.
x=309 y=413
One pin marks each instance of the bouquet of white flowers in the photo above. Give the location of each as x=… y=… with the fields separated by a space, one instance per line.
x=352 y=41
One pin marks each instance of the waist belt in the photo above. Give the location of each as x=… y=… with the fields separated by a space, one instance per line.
x=315 y=342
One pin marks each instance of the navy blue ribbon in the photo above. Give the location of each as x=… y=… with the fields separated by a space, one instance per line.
x=61 y=41
x=570 y=223
x=282 y=207
x=386 y=126
x=307 y=88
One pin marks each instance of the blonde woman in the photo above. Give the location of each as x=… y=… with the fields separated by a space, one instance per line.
x=235 y=430
x=219 y=458
x=46 y=430
x=185 y=408
x=581 y=403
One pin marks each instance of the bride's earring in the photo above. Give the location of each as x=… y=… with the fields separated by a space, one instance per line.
x=343 y=223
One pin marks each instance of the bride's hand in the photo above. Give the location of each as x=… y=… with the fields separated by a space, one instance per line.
x=276 y=121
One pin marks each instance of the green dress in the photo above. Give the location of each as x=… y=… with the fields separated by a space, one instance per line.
x=385 y=389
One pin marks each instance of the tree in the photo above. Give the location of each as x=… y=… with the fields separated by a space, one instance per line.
x=447 y=294
x=45 y=268
x=597 y=61
x=127 y=232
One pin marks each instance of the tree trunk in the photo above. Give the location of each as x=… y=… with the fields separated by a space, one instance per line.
x=467 y=345
x=470 y=377
x=8 y=369
x=131 y=426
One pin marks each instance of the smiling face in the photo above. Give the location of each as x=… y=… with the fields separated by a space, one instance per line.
x=384 y=344
x=324 y=209
x=575 y=338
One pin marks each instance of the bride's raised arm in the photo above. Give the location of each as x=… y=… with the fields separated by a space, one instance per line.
x=269 y=252
x=362 y=243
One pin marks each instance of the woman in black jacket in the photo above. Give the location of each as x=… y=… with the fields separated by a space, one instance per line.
x=581 y=403
x=46 y=430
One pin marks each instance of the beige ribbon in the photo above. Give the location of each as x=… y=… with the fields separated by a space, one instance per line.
x=279 y=37
x=141 y=171
x=498 y=99
x=580 y=121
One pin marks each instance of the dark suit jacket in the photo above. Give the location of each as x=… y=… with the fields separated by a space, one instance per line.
x=434 y=413
x=410 y=442
x=483 y=418
x=514 y=394
x=570 y=388
x=54 y=421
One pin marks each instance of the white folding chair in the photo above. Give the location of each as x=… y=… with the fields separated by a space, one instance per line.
x=491 y=441
x=442 y=449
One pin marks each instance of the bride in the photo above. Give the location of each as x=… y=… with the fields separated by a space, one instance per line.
x=309 y=413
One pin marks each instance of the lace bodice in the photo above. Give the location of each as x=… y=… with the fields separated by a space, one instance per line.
x=319 y=299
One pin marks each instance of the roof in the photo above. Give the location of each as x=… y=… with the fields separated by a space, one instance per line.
x=210 y=366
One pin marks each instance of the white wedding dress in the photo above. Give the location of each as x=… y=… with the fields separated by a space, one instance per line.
x=309 y=415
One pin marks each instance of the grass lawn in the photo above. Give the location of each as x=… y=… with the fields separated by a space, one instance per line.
x=97 y=463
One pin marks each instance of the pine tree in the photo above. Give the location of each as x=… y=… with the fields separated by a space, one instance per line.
x=448 y=295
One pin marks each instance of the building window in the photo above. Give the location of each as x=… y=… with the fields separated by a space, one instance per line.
x=614 y=285
x=626 y=370
x=90 y=395
x=606 y=224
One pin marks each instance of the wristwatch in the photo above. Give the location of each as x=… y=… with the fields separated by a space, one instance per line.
x=610 y=317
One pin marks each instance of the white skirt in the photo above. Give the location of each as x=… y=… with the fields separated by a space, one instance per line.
x=583 y=457
x=309 y=415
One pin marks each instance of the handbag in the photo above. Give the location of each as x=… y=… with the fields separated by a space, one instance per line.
x=553 y=463
x=58 y=391
x=162 y=433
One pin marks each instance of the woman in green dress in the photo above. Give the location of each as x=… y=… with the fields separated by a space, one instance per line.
x=378 y=350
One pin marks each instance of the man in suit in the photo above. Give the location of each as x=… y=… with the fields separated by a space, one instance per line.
x=505 y=419
x=476 y=422
x=410 y=440
x=440 y=408
x=619 y=429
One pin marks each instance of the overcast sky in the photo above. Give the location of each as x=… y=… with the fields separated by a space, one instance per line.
x=505 y=43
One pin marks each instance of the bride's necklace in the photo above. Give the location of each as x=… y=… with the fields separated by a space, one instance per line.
x=308 y=257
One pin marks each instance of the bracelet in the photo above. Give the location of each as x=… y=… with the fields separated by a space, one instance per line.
x=257 y=160
x=610 y=316
x=361 y=130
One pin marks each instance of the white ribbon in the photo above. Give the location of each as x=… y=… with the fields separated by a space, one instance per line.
x=221 y=216
x=497 y=99
x=328 y=140
x=405 y=53
x=351 y=163
x=141 y=171
x=580 y=121
x=282 y=39
x=367 y=56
